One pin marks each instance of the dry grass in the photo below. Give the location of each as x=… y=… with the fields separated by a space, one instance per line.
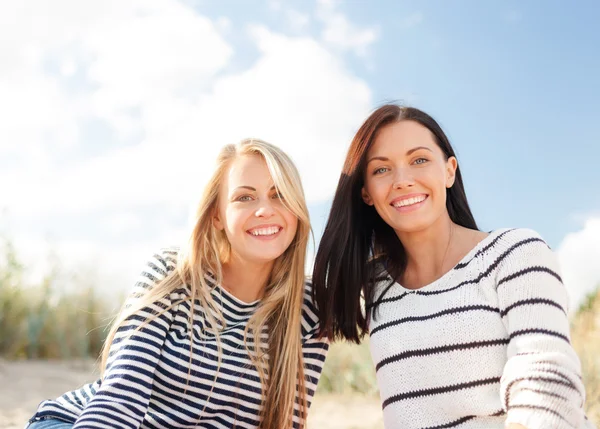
x=44 y=320
x=349 y=369
x=585 y=333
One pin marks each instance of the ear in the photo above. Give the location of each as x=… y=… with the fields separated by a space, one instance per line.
x=216 y=220
x=365 y=196
x=451 y=166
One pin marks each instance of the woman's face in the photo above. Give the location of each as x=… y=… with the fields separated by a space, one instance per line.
x=406 y=177
x=251 y=212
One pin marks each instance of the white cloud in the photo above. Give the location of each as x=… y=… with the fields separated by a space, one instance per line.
x=340 y=33
x=275 y=5
x=155 y=75
x=142 y=61
x=128 y=52
x=579 y=257
x=297 y=95
x=123 y=221
x=141 y=64
x=297 y=21
x=223 y=24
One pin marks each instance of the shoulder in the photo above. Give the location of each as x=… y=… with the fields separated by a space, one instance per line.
x=512 y=236
x=161 y=263
x=158 y=266
x=513 y=243
x=168 y=257
x=520 y=251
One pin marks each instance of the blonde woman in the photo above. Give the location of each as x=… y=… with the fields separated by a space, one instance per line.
x=220 y=334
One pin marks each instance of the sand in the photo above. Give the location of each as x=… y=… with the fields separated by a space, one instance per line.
x=24 y=384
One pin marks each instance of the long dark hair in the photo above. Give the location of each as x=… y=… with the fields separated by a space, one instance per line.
x=355 y=234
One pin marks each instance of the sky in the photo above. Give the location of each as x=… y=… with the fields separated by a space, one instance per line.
x=113 y=113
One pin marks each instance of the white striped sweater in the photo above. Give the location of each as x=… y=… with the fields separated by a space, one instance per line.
x=485 y=345
x=144 y=385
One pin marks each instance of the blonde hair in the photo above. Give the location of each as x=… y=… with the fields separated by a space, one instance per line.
x=280 y=307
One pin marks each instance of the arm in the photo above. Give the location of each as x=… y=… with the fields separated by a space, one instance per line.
x=314 y=349
x=123 y=396
x=541 y=386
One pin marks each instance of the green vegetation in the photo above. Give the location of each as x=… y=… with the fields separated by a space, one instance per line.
x=41 y=321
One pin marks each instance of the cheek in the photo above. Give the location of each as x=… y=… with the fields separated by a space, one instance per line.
x=234 y=221
x=437 y=186
x=292 y=223
x=378 y=192
x=434 y=178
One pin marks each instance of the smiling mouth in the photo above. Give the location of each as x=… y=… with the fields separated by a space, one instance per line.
x=268 y=231
x=408 y=202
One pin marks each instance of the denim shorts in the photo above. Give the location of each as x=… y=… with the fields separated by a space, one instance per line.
x=49 y=424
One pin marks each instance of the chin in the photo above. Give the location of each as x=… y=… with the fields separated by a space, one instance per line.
x=408 y=227
x=265 y=257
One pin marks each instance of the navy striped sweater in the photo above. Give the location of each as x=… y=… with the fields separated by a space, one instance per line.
x=485 y=345
x=146 y=382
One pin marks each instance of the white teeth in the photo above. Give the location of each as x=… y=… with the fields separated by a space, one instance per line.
x=410 y=201
x=265 y=231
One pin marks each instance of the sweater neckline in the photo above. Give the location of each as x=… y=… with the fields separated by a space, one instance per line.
x=459 y=265
x=228 y=301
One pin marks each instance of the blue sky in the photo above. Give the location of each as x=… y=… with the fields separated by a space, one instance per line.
x=514 y=84
x=115 y=111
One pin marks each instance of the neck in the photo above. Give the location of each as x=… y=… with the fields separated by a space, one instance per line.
x=246 y=280
x=427 y=252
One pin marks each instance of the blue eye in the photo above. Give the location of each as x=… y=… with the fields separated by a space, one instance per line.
x=380 y=170
x=421 y=161
x=244 y=198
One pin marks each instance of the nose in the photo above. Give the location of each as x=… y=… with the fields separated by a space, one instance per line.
x=403 y=178
x=265 y=209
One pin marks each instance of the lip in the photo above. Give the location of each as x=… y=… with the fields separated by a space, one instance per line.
x=412 y=207
x=265 y=237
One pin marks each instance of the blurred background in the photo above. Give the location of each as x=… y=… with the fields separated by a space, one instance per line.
x=112 y=112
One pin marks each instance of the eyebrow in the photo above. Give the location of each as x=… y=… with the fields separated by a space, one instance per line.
x=251 y=188
x=408 y=152
x=414 y=149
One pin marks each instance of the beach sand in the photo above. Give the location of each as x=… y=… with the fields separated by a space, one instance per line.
x=24 y=384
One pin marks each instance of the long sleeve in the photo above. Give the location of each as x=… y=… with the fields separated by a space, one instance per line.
x=541 y=385
x=123 y=396
x=314 y=349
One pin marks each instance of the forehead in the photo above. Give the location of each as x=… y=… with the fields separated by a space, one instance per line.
x=248 y=170
x=402 y=136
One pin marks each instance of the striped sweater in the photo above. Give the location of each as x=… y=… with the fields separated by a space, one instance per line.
x=144 y=385
x=484 y=345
